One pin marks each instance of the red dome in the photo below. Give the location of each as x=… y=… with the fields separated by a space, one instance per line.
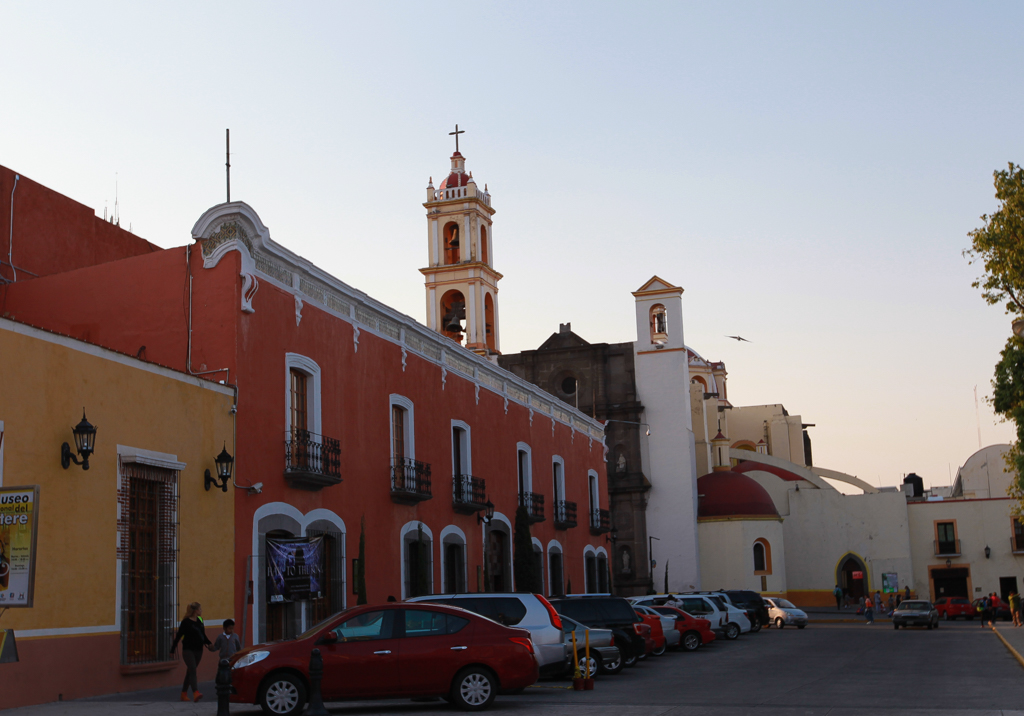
x=730 y=494
x=455 y=179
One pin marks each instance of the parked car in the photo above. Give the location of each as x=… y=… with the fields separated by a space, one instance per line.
x=1000 y=611
x=695 y=632
x=752 y=603
x=388 y=651
x=668 y=627
x=526 y=611
x=605 y=657
x=608 y=612
x=783 y=612
x=954 y=607
x=726 y=620
x=915 y=612
x=657 y=633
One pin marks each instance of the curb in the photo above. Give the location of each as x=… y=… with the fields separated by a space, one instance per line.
x=1014 y=652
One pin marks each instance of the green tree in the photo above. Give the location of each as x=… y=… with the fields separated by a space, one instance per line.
x=999 y=246
x=666 y=577
x=361 y=576
x=524 y=559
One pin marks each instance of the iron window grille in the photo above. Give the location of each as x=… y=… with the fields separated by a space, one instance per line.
x=468 y=493
x=600 y=521
x=410 y=480
x=534 y=504
x=311 y=461
x=565 y=515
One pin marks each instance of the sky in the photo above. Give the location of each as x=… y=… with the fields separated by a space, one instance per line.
x=807 y=172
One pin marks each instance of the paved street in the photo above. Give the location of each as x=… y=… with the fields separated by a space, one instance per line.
x=834 y=669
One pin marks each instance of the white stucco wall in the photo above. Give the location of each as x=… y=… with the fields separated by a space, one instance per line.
x=727 y=554
x=985 y=474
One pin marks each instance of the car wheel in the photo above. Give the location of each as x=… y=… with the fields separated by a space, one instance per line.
x=659 y=650
x=690 y=641
x=474 y=689
x=732 y=631
x=779 y=622
x=630 y=660
x=755 y=626
x=283 y=694
x=613 y=667
x=595 y=668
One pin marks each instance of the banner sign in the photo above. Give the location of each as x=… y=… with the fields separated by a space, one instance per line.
x=890 y=582
x=295 y=569
x=858 y=575
x=19 y=522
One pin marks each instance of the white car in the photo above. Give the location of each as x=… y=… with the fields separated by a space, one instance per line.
x=782 y=612
x=668 y=625
x=726 y=620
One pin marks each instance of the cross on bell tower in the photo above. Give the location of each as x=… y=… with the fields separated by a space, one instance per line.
x=461 y=283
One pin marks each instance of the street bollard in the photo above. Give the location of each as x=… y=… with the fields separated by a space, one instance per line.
x=316 y=674
x=223 y=688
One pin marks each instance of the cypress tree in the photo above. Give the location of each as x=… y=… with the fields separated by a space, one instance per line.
x=361 y=576
x=524 y=560
x=666 y=577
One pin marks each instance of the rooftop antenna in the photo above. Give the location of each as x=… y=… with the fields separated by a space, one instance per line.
x=117 y=209
x=977 y=415
x=227 y=157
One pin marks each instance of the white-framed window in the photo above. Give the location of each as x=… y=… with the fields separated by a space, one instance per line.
x=602 y=571
x=417 y=542
x=593 y=491
x=538 y=551
x=557 y=479
x=403 y=433
x=462 y=449
x=453 y=560
x=302 y=394
x=524 y=466
x=590 y=570
x=556 y=569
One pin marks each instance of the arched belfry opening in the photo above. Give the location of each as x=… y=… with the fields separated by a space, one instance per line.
x=461 y=284
x=453 y=314
x=659 y=324
x=452 y=245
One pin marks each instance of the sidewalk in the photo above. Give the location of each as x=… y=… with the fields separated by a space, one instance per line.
x=1014 y=637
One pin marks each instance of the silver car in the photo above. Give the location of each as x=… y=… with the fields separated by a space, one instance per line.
x=782 y=612
x=668 y=626
x=915 y=612
x=524 y=611
x=604 y=657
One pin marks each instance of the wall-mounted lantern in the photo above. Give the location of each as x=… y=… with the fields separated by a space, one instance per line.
x=488 y=514
x=988 y=551
x=85 y=442
x=224 y=463
x=612 y=536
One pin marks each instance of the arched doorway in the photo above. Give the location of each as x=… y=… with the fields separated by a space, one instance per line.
x=852 y=576
x=499 y=563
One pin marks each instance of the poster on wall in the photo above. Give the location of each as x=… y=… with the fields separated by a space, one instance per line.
x=19 y=520
x=890 y=582
x=295 y=569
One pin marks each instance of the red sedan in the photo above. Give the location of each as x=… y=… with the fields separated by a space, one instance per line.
x=657 y=633
x=695 y=631
x=953 y=607
x=389 y=651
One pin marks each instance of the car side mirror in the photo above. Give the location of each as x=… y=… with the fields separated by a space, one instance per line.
x=330 y=637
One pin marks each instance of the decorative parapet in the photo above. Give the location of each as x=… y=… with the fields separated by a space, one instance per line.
x=236 y=226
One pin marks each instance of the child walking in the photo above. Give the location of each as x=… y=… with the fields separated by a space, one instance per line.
x=227 y=643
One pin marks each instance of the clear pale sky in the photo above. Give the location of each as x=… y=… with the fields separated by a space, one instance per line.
x=807 y=172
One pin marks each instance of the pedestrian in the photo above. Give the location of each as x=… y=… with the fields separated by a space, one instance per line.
x=227 y=643
x=878 y=601
x=1014 y=600
x=889 y=605
x=869 y=612
x=986 y=612
x=906 y=592
x=899 y=599
x=838 y=594
x=192 y=635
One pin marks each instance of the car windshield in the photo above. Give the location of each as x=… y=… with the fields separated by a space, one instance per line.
x=319 y=627
x=784 y=604
x=913 y=606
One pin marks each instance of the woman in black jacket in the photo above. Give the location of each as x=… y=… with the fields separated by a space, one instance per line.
x=192 y=635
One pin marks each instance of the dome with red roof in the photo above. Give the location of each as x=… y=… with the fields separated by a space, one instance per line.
x=732 y=494
x=453 y=180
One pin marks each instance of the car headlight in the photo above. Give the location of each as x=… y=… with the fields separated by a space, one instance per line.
x=251 y=658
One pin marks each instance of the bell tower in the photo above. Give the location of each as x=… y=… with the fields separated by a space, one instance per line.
x=461 y=283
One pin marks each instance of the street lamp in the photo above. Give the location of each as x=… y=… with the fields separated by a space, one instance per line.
x=224 y=463
x=488 y=514
x=85 y=442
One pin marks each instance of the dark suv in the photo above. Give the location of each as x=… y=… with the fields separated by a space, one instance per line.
x=605 y=612
x=752 y=604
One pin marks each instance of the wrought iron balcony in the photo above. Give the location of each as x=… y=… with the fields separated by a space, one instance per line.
x=410 y=480
x=947 y=548
x=565 y=514
x=468 y=494
x=534 y=504
x=311 y=461
x=600 y=521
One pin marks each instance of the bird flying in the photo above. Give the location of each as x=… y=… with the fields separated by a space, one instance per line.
x=739 y=338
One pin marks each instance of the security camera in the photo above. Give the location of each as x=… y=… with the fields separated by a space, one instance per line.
x=256 y=489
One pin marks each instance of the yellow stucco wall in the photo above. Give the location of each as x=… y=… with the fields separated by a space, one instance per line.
x=45 y=381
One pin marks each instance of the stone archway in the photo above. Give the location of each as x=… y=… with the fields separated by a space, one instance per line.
x=853 y=587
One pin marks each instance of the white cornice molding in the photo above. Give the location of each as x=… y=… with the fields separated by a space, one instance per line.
x=300 y=277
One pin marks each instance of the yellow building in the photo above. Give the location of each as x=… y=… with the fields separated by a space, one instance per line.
x=126 y=544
